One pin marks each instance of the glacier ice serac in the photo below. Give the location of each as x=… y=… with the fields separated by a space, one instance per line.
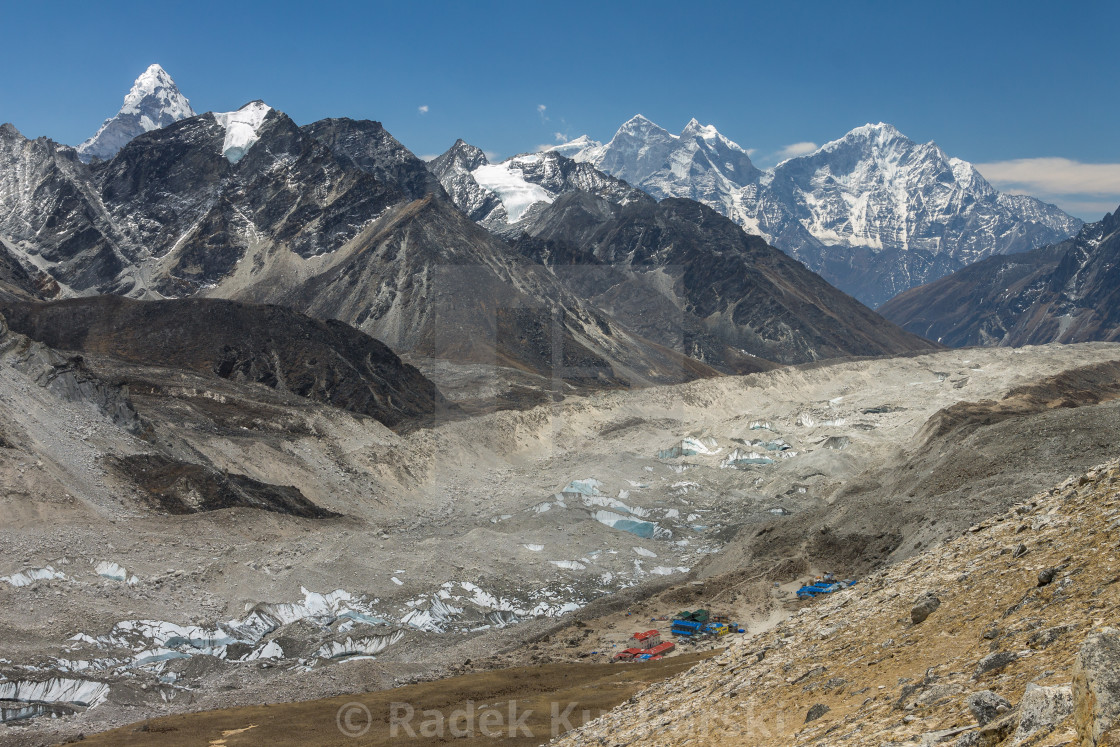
x=242 y=128
x=153 y=102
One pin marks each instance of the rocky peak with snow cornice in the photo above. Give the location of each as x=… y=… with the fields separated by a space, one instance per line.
x=242 y=128
x=499 y=196
x=454 y=170
x=874 y=212
x=153 y=102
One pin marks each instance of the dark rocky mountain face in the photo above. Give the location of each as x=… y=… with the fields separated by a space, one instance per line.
x=51 y=212
x=680 y=273
x=171 y=213
x=289 y=221
x=366 y=145
x=427 y=280
x=326 y=362
x=16 y=283
x=248 y=206
x=194 y=215
x=1067 y=292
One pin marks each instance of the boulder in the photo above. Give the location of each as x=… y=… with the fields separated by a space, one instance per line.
x=986 y=706
x=1043 y=638
x=816 y=712
x=924 y=607
x=994 y=662
x=1046 y=576
x=992 y=734
x=1041 y=710
x=1096 y=689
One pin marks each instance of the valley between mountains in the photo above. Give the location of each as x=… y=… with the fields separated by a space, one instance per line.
x=290 y=414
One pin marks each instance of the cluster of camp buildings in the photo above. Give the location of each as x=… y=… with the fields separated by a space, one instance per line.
x=648 y=646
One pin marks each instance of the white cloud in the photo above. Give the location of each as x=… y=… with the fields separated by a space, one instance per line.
x=1089 y=211
x=423 y=108
x=1087 y=190
x=541 y=108
x=560 y=137
x=795 y=149
x=1054 y=176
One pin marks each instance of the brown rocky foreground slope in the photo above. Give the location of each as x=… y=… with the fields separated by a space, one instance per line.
x=527 y=692
x=1017 y=652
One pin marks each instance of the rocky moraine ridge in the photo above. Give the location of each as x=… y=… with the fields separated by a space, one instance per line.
x=1003 y=636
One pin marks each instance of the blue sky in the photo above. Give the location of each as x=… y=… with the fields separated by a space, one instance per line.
x=1026 y=90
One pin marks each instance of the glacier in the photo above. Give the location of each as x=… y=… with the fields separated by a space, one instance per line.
x=242 y=128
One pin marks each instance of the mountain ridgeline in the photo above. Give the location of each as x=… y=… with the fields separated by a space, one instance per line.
x=542 y=264
x=678 y=270
x=1067 y=292
x=874 y=212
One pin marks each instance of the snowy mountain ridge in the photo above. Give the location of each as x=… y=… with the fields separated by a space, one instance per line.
x=154 y=101
x=873 y=211
x=500 y=195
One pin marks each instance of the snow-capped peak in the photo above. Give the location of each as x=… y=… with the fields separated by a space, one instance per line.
x=155 y=83
x=154 y=101
x=242 y=128
x=872 y=189
x=694 y=128
x=639 y=126
x=878 y=133
x=636 y=120
x=710 y=134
